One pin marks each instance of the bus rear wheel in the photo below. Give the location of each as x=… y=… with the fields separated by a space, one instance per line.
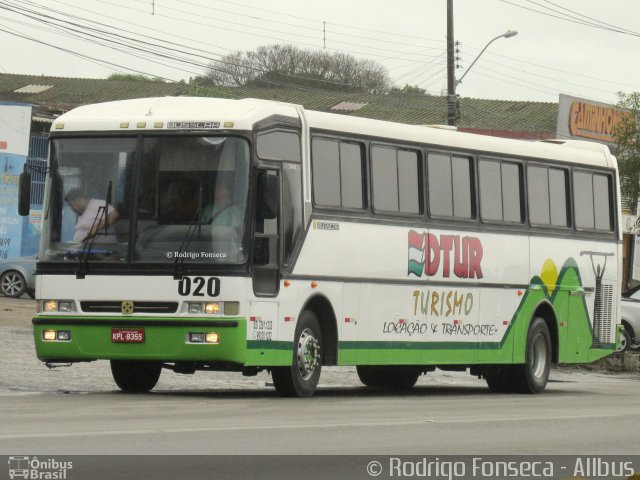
x=500 y=378
x=532 y=377
x=135 y=376
x=301 y=378
x=392 y=377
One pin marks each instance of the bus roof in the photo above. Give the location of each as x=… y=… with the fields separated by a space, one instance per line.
x=206 y=113
x=574 y=151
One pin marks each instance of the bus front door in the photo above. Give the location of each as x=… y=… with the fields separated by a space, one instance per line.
x=266 y=244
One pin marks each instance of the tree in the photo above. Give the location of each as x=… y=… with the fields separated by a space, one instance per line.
x=286 y=65
x=133 y=77
x=627 y=136
x=408 y=89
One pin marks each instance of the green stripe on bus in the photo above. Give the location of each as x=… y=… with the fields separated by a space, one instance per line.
x=269 y=345
x=399 y=345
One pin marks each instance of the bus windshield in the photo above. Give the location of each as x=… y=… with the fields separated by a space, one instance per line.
x=183 y=198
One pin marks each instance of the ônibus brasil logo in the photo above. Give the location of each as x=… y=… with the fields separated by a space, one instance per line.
x=38 y=469
x=430 y=255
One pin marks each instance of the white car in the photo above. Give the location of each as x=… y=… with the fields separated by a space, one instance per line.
x=631 y=319
x=18 y=276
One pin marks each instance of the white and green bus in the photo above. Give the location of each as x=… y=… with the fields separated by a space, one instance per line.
x=247 y=235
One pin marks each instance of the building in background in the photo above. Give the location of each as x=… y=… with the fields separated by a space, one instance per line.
x=17 y=234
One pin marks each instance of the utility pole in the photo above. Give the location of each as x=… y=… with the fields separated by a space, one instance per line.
x=451 y=68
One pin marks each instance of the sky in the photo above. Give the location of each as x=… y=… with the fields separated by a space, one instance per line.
x=575 y=47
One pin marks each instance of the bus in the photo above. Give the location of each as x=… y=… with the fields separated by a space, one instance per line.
x=250 y=235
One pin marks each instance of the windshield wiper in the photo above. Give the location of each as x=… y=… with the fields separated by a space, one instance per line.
x=194 y=225
x=87 y=243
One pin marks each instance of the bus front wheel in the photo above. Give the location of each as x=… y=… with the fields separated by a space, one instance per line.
x=135 y=376
x=301 y=378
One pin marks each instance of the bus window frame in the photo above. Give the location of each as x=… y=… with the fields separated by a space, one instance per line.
x=568 y=196
x=523 y=192
x=474 y=179
x=612 y=209
x=421 y=180
x=366 y=207
x=276 y=129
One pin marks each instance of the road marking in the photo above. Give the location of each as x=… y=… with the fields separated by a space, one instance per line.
x=301 y=426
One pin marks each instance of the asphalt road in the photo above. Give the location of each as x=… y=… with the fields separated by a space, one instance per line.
x=78 y=410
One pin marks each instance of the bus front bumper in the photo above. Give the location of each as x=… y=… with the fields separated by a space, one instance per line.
x=76 y=339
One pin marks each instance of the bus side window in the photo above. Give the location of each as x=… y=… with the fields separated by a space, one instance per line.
x=279 y=145
x=450 y=186
x=337 y=173
x=500 y=191
x=592 y=201
x=547 y=188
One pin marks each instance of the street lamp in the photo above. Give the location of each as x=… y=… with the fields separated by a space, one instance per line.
x=508 y=34
x=452 y=103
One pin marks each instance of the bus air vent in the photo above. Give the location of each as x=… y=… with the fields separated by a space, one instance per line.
x=101 y=306
x=603 y=322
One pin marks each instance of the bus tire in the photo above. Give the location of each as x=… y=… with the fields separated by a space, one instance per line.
x=301 y=378
x=370 y=375
x=135 y=376
x=391 y=377
x=500 y=378
x=532 y=377
x=625 y=341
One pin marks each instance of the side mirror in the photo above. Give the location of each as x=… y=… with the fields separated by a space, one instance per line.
x=267 y=196
x=24 y=193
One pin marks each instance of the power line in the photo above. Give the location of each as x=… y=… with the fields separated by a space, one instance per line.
x=270 y=37
x=155 y=52
x=315 y=29
x=564 y=82
x=567 y=18
x=351 y=27
x=81 y=55
x=581 y=75
x=621 y=30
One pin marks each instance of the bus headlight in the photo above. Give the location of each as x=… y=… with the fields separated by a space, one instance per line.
x=212 y=308
x=64 y=335
x=59 y=335
x=212 y=337
x=200 y=337
x=49 y=335
x=65 y=306
x=51 y=306
x=195 y=308
x=196 y=338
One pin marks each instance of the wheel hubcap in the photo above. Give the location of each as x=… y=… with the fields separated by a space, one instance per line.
x=539 y=350
x=623 y=343
x=11 y=284
x=308 y=354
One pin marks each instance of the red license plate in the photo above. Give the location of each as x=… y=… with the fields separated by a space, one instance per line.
x=127 y=335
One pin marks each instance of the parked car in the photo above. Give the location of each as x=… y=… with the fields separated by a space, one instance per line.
x=17 y=276
x=631 y=319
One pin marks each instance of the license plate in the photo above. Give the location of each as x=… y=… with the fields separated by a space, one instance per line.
x=127 y=335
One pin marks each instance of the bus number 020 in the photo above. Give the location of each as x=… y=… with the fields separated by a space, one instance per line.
x=195 y=286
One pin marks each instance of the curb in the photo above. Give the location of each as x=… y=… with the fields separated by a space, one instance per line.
x=625 y=362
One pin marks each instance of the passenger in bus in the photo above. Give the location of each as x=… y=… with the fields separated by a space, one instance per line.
x=90 y=223
x=181 y=203
x=223 y=211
